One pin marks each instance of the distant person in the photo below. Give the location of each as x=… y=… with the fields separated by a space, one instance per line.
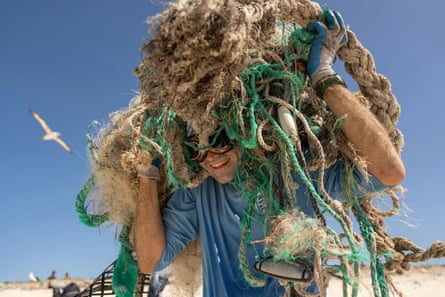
x=53 y=275
x=67 y=276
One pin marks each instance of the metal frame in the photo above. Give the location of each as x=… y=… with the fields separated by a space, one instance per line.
x=102 y=285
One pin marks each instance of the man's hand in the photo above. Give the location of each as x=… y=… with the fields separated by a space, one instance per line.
x=151 y=171
x=329 y=37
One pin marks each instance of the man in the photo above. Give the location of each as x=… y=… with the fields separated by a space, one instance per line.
x=212 y=211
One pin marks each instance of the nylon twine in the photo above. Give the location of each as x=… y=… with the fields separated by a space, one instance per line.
x=233 y=64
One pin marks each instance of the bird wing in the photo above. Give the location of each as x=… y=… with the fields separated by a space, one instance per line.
x=49 y=131
x=63 y=144
x=41 y=121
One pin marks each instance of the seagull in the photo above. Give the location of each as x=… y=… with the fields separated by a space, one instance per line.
x=32 y=277
x=50 y=135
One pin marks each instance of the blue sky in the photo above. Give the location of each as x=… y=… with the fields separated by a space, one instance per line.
x=72 y=62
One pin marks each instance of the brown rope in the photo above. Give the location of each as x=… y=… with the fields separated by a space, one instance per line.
x=193 y=61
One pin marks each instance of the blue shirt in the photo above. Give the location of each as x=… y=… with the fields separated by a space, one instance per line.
x=213 y=212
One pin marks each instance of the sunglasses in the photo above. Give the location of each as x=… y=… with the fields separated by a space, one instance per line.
x=219 y=144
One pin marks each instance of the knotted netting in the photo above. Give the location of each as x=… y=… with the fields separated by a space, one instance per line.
x=240 y=66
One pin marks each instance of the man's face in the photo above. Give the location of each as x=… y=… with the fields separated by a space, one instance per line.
x=220 y=160
x=222 y=167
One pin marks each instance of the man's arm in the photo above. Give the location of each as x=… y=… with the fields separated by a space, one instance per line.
x=148 y=225
x=360 y=126
x=369 y=137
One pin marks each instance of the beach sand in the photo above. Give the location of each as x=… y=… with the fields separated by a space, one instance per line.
x=419 y=281
x=38 y=289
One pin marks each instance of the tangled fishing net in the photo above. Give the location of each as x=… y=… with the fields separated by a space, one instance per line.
x=240 y=65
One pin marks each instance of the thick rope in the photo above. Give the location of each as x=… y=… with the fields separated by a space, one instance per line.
x=90 y=220
x=224 y=68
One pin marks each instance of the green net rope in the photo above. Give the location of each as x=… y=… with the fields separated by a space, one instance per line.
x=125 y=270
x=242 y=118
x=90 y=220
x=125 y=274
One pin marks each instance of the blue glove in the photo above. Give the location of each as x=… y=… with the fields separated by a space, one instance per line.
x=329 y=37
x=156 y=162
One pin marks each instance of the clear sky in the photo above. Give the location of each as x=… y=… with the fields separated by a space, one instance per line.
x=72 y=62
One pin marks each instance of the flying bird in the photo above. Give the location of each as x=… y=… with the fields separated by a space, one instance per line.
x=50 y=135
